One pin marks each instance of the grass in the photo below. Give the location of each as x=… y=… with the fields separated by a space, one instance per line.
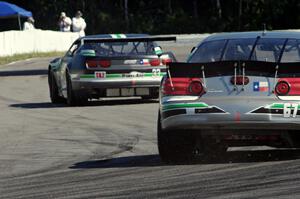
x=17 y=57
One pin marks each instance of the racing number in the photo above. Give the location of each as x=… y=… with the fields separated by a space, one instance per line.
x=290 y=110
x=156 y=72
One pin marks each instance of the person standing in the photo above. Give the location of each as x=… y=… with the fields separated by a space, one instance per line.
x=78 y=24
x=29 y=24
x=64 y=22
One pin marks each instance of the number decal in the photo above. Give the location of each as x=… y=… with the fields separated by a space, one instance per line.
x=156 y=72
x=290 y=110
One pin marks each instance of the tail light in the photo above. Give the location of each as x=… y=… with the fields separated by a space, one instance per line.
x=105 y=63
x=98 y=63
x=155 y=62
x=196 y=87
x=91 y=63
x=166 y=61
x=282 y=88
x=182 y=86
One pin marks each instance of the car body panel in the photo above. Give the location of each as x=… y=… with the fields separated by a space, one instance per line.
x=227 y=106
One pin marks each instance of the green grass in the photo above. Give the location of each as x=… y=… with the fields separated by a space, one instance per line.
x=17 y=57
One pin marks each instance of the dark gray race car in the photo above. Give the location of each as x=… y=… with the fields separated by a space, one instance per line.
x=237 y=89
x=109 y=66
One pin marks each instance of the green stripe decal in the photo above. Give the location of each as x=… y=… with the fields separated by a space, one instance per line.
x=121 y=75
x=184 y=105
x=277 y=106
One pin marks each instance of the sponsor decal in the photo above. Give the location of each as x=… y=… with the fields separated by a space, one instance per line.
x=287 y=110
x=100 y=74
x=260 y=86
x=133 y=74
x=130 y=62
x=190 y=109
x=119 y=75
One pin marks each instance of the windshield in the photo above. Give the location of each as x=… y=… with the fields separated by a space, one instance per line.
x=120 y=48
x=261 y=49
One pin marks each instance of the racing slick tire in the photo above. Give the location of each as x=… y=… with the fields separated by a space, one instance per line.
x=53 y=89
x=175 y=146
x=73 y=99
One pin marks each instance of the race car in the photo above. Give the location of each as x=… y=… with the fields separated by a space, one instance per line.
x=236 y=89
x=115 y=65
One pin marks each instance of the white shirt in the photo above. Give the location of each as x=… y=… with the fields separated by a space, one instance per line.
x=65 y=24
x=28 y=26
x=79 y=25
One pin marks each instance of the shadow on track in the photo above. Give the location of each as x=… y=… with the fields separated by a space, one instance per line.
x=48 y=105
x=23 y=72
x=228 y=157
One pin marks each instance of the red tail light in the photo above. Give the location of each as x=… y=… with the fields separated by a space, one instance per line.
x=196 y=87
x=98 y=63
x=105 y=63
x=182 y=86
x=92 y=63
x=155 y=62
x=166 y=61
x=282 y=88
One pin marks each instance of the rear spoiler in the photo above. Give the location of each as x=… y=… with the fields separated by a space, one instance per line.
x=223 y=68
x=129 y=39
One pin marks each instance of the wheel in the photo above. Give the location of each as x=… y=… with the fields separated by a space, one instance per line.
x=73 y=99
x=53 y=89
x=176 y=146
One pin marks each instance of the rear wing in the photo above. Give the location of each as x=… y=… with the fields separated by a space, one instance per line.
x=129 y=39
x=226 y=68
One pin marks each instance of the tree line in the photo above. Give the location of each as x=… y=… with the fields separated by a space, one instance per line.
x=164 y=16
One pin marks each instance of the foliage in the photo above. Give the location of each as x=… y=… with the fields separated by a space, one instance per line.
x=17 y=57
x=165 y=16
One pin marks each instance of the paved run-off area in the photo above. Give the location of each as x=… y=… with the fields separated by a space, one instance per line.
x=108 y=150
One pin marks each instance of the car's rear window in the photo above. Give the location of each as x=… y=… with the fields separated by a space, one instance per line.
x=120 y=48
x=265 y=49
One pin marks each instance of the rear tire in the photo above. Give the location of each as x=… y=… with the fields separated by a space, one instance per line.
x=176 y=146
x=73 y=99
x=53 y=90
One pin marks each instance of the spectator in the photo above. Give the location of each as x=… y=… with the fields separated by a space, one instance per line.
x=29 y=24
x=79 y=24
x=64 y=23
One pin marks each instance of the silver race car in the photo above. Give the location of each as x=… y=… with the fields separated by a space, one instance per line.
x=109 y=66
x=236 y=89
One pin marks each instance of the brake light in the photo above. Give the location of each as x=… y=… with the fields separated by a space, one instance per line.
x=91 y=63
x=282 y=88
x=105 y=63
x=98 y=63
x=182 y=86
x=196 y=87
x=155 y=62
x=166 y=61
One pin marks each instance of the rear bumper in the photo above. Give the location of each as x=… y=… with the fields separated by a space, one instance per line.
x=195 y=122
x=148 y=82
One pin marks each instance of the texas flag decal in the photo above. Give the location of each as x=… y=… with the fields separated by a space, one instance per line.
x=260 y=86
x=144 y=61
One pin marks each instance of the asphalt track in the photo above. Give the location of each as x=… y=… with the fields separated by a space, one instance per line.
x=108 y=150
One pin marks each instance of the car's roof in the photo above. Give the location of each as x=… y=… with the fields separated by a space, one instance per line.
x=254 y=34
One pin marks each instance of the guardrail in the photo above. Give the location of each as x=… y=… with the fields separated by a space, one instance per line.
x=18 y=42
